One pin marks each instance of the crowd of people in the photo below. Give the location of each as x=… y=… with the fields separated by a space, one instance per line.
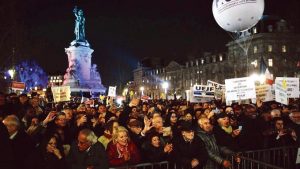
x=35 y=134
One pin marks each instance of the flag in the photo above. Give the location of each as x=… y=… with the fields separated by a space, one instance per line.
x=265 y=71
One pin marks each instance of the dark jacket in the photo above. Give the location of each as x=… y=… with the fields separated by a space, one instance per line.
x=215 y=158
x=154 y=154
x=224 y=139
x=185 y=152
x=95 y=157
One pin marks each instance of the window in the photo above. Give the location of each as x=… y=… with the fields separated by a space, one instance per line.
x=255 y=49
x=198 y=72
x=270 y=62
x=202 y=61
x=192 y=64
x=157 y=71
x=270 y=48
x=214 y=59
x=197 y=63
x=254 y=30
x=220 y=58
x=283 y=48
x=187 y=64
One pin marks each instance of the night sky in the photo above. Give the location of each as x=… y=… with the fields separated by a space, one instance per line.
x=121 y=32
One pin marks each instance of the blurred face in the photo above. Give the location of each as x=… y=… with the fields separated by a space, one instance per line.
x=145 y=108
x=229 y=110
x=61 y=121
x=83 y=144
x=35 y=102
x=295 y=117
x=188 y=135
x=122 y=138
x=23 y=99
x=188 y=117
x=157 y=123
x=279 y=125
x=205 y=105
x=206 y=126
x=69 y=114
x=11 y=128
x=155 y=141
x=51 y=145
x=173 y=118
x=224 y=122
x=115 y=126
x=102 y=109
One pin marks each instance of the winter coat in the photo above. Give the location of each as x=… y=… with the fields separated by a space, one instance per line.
x=214 y=151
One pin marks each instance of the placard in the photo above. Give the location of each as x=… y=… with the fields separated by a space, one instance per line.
x=292 y=84
x=112 y=91
x=281 y=92
x=61 y=93
x=240 y=89
x=203 y=91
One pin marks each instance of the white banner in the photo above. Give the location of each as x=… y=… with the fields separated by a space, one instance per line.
x=61 y=93
x=197 y=98
x=240 y=89
x=281 y=92
x=203 y=91
x=112 y=91
x=292 y=86
x=218 y=86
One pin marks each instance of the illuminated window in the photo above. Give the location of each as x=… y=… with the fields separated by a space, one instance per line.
x=196 y=62
x=254 y=30
x=283 y=48
x=270 y=48
x=202 y=61
x=270 y=62
x=255 y=49
x=157 y=71
x=221 y=58
x=214 y=59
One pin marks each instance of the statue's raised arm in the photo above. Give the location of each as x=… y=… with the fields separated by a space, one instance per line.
x=79 y=25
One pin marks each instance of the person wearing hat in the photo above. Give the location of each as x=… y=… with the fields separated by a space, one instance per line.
x=189 y=151
x=134 y=130
x=225 y=134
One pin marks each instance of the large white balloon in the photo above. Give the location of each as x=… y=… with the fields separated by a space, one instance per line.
x=237 y=15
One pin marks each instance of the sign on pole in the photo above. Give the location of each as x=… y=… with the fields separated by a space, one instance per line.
x=17 y=85
x=112 y=91
x=61 y=93
x=281 y=95
x=292 y=84
x=240 y=89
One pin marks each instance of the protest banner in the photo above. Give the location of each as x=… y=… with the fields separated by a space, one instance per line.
x=292 y=85
x=239 y=89
x=203 y=91
x=281 y=95
x=61 y=93
x=264 y=92
x=112 y=91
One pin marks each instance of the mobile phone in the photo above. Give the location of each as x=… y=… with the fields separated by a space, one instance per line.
x=240 y=127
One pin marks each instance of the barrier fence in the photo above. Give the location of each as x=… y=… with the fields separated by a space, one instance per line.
x=275 y=158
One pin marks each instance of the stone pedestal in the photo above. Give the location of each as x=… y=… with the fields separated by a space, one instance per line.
x=81 y=76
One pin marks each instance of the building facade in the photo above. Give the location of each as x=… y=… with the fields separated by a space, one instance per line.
x=272 y=40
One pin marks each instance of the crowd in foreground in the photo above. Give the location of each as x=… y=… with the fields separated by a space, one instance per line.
x=35 y=134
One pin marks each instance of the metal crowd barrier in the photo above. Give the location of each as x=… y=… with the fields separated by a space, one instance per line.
x=274 y=158
x=284 y=157
x=158 y=165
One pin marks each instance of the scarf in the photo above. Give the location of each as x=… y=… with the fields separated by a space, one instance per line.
x=228 y=130
x=122 y=149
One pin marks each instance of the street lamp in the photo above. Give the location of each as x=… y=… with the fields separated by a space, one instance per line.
x=165 y=86
x=142 y=90
x=11 y=73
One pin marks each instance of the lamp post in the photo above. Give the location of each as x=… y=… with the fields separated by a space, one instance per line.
x=165 y=86
x=142 y=90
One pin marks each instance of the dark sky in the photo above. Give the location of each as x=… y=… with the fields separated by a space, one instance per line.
x=120 y=31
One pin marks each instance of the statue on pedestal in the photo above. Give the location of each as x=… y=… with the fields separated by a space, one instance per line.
x=79 y=25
